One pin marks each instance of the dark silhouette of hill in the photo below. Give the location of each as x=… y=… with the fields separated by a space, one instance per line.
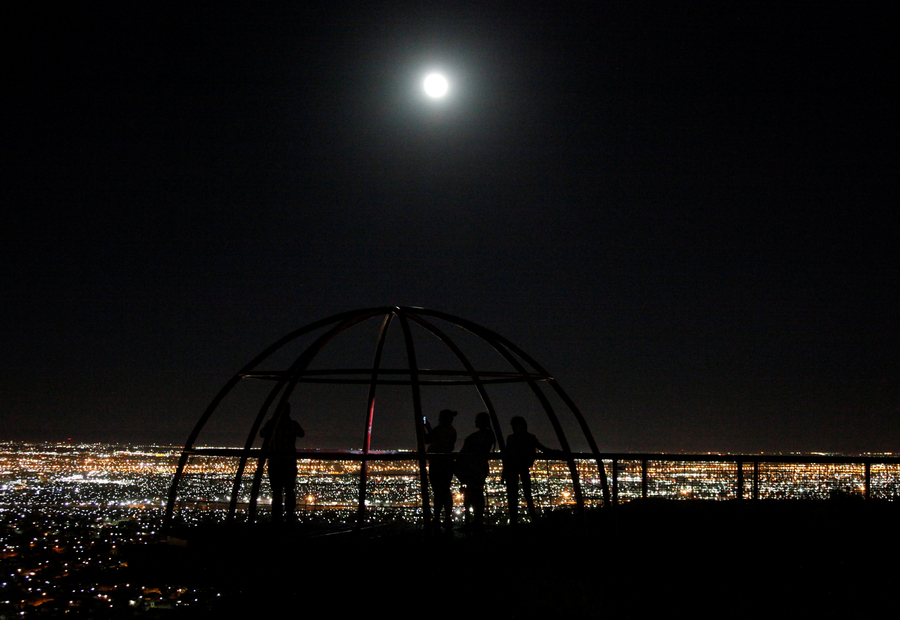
x=834 y=558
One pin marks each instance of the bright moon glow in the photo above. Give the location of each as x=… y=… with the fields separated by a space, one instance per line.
x=436 y=85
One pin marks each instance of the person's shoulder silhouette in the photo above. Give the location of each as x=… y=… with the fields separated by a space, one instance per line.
x=282 y=432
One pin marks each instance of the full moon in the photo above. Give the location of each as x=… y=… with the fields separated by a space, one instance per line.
x=436 y=85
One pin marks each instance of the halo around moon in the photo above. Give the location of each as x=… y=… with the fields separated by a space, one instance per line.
x=436 y=85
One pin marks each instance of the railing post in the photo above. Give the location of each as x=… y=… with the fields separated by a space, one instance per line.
x=615 y=482
x=644 y=479
x=868 y=476
x=755 y=479
x=740 y=481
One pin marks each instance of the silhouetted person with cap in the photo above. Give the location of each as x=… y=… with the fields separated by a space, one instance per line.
x=441 y=440
x=282 y=442
x=521 y=449
x=472 y=467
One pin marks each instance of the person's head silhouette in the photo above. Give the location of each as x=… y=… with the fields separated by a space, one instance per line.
x=519 y=425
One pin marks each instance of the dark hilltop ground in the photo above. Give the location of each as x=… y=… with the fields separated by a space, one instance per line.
x=834 y=558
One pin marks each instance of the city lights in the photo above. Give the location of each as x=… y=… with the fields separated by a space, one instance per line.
x=68 y=509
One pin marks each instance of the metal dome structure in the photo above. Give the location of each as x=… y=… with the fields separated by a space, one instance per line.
x=524 y=370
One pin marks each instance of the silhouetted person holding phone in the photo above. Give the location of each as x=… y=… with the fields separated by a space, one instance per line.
x=441 y=441
x=472 y=467
x=282 y=443
x=521 y=450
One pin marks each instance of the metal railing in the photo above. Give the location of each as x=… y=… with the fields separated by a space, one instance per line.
x=750 y=477
x=328 y=482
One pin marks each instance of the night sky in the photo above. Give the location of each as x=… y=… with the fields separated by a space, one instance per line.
x=685 y=211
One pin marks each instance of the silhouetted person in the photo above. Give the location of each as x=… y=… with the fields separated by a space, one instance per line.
x=441 y=439
x=472 y=466
x=282 y=441
x=521 y=449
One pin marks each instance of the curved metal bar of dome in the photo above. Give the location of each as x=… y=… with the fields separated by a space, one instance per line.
x=417 y=413
x=494 y=340
x=604 y=484
x=572 y=406
x=251 y=437
x=319 y=376
x=216 y=401
x=370 y=414
x=293 y=376
x=476 y=379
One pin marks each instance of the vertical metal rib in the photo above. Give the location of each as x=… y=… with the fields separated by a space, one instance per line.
x=417 y=413
x=370 y=414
